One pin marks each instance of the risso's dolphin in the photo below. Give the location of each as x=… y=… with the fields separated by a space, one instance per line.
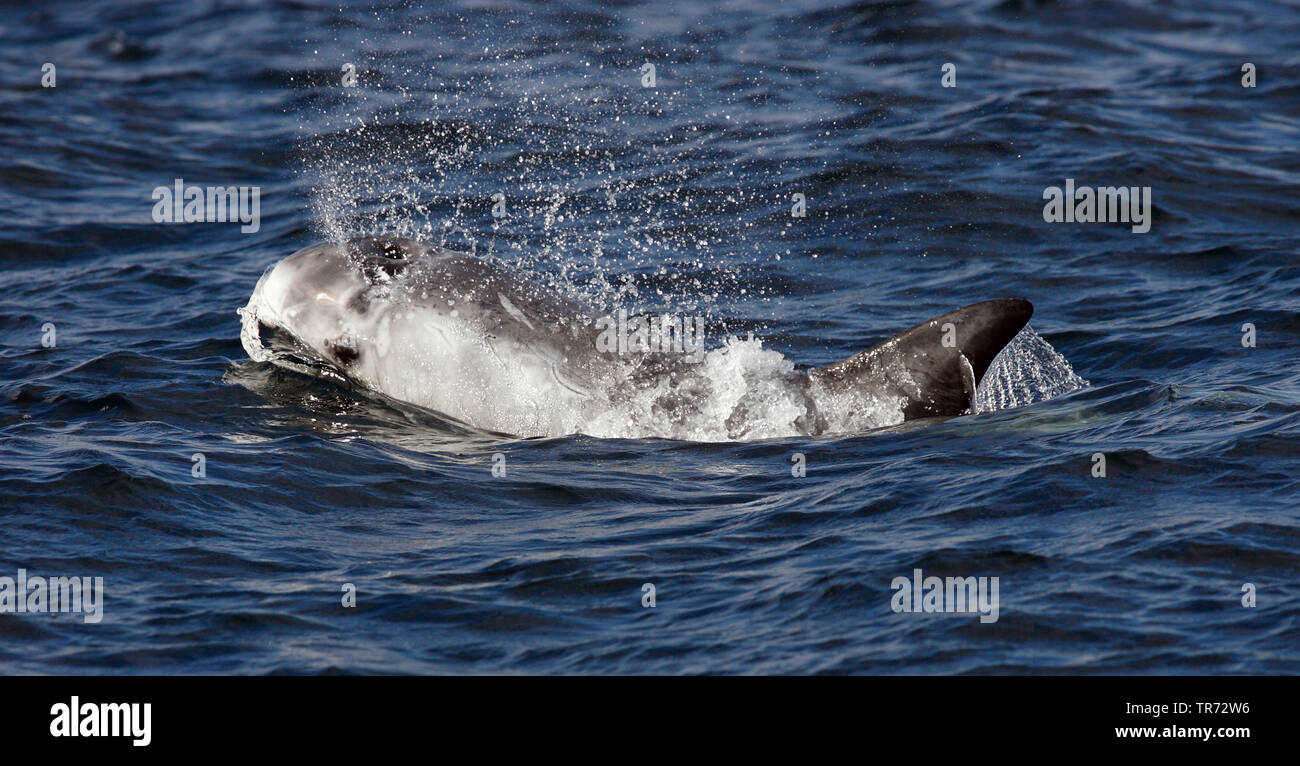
x=452 y=333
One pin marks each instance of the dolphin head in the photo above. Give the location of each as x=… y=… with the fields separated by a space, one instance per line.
x=318 y=296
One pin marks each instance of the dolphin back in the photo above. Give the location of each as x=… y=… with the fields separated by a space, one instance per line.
x=932 y=369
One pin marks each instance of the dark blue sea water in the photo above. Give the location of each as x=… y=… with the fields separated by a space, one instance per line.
x=920 y=199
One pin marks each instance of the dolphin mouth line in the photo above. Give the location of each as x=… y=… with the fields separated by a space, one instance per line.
x=286 y=350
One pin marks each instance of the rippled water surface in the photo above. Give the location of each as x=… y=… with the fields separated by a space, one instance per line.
x=122 y=359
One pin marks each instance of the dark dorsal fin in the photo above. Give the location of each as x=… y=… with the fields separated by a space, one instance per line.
x=933 y=379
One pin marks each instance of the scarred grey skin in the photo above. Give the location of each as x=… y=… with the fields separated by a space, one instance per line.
x=452 y=333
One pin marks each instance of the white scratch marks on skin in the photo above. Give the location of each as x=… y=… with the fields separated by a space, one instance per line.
x=514 y=312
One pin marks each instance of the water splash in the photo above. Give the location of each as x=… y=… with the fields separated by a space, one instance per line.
x=563 y=169
x=1028 y=370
